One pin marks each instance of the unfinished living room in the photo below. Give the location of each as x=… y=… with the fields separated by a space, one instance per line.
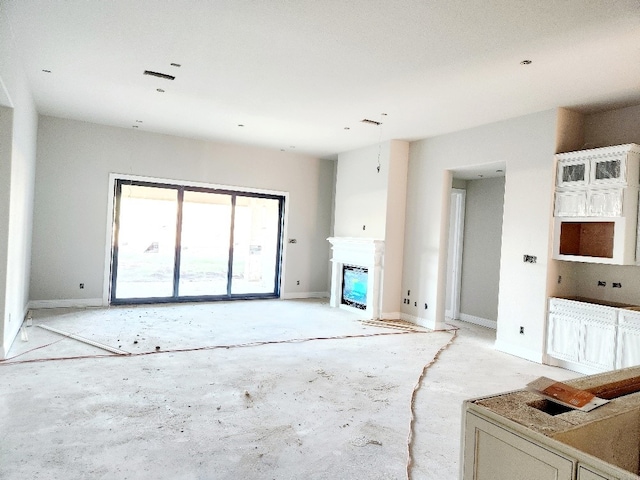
x=287 y=240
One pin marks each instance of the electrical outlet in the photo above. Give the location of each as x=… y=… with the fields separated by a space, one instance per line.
x=364 y=227
x=616 y=285
x=297 y=282
x=559 y=279
x=415 y=304
x=408 y=293
x=529 y=259
x=521 y=330
x=81 y=286
x=426 y=306
x=293 y=240
x=601 y=283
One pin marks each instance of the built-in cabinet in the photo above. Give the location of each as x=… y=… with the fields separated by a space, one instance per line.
x=596 y=205
x=590 y=338
x=518 y=435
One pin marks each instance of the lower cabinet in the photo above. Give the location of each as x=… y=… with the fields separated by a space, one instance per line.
x=495 y=448
x=592 y=338
x=494 y=453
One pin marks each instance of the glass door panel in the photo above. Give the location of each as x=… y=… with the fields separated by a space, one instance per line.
x=146 y=240
x=204 y=245
x=256 y=233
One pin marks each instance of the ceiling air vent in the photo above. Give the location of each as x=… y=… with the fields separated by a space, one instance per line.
x=159 y=75
x=370 y=122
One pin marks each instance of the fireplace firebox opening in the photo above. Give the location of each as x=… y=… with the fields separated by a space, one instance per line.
x=354 y=286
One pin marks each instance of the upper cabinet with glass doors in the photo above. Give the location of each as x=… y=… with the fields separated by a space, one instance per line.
x=592 y=183
x=596 y=205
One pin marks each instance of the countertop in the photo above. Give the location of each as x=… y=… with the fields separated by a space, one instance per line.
x=520 y=406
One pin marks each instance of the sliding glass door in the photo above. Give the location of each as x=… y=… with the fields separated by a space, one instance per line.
x=178 y=243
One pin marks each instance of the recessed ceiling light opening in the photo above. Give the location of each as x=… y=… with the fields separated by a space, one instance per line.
x=526 y=62
x=46 y=71
x=159 y=90
x=176 y=65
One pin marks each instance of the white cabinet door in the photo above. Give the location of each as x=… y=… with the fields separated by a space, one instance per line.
x=492 y=452
x=605 y=202
x=628 y=339
x=597 y=344
x=573 y=173
x=571 y=203
x=588 y=474
x=563 y=337
x=609 y=170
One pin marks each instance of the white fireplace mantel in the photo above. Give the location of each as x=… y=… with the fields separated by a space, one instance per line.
x=358 y=252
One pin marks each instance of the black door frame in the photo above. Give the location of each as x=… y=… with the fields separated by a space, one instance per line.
x=175 y=298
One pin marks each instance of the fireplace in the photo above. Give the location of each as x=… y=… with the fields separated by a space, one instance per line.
x=356 y=275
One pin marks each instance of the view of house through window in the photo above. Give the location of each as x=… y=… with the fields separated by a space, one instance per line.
x=187 y=243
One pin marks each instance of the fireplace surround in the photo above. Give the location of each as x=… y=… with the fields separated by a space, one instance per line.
x=362 y=253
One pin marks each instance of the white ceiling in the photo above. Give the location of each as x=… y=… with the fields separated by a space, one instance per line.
x=295 y=73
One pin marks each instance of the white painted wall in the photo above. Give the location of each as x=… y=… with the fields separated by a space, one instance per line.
x=482 y=246
x=18 y=127
x=71 y=203
x=527 y=145
x=612 y=127
x=361 y=193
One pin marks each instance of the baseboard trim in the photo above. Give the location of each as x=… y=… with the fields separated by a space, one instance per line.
x=423 y=322
x=299 y=295
x=483 y=322
x=517 y=351
x=66 y=303
x=574 y=367
x=390 y=316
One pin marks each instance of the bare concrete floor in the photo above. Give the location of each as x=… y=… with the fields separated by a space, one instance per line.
x=318 y=409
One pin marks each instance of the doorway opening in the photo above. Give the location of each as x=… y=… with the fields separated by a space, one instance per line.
x=175 y=243
x=474 y=244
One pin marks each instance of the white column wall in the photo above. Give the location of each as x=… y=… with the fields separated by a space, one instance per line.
x=17 y=170
x=527 y=145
